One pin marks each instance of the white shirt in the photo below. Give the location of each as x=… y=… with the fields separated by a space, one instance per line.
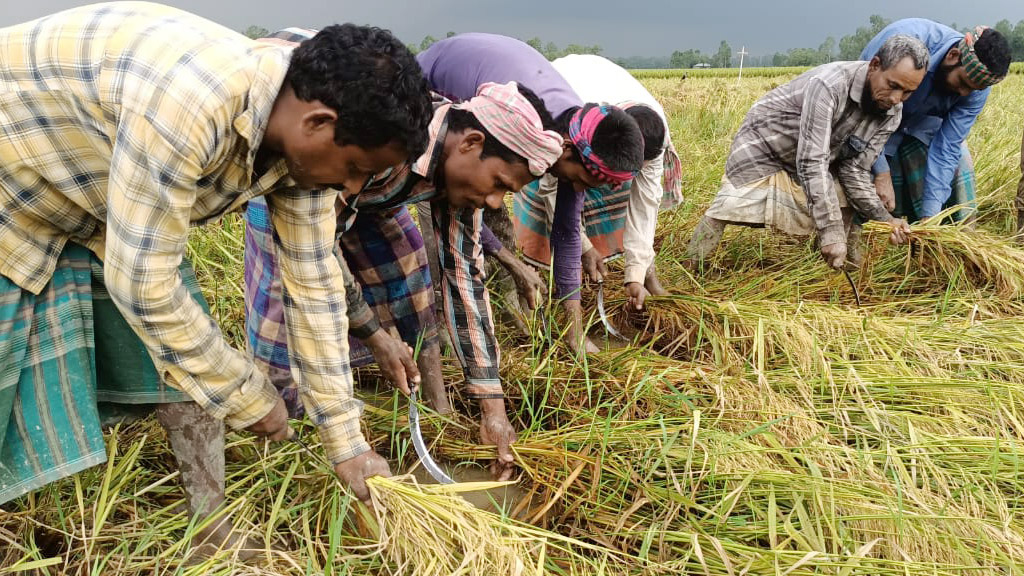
x=597 y=79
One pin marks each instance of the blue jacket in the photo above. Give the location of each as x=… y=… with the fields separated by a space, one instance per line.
x=939 y=119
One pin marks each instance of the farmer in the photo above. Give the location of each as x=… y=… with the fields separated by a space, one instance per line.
x=624 y=227
x=801 y=161
x=603 y=148
x=123 y=125
x=478 y=151
x=925 y=166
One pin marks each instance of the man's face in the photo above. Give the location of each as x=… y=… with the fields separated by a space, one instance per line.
x=472 y=182
x=952 y=78
x=315 y=160
x=569 y=168
x=887 y=88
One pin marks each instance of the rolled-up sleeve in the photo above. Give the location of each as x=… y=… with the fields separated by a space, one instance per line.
x=642 y=220
x=812 y=162
x=466 y=303
x=855 y=173
x=315 y=315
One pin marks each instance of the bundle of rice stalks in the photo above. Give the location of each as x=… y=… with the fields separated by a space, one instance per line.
x=429 y=530
x=951 y=253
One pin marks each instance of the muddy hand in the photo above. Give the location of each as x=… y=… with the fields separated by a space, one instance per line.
x=593 y=265
x=274 y=426
x=579 y=342
x=354 y=472
x=900 y=231
x=636 y=294
x=395 y=359
x=834 y=254
x=528 y=284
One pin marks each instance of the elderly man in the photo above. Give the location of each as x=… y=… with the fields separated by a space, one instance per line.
x=627 y=225
x=125 y=124
x=478 y=151
x=801 y=161
x=925 y=167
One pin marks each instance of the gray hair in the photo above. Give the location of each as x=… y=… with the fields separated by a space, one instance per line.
x=901 y=46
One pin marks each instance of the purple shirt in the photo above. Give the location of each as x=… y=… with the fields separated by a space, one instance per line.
x=456 y=66
x=489 y=241
x=566 y=263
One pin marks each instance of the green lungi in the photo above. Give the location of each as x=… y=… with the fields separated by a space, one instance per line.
x=908 y=169
x=66 y=354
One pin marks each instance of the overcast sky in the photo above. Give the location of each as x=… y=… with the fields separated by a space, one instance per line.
x=636 y=28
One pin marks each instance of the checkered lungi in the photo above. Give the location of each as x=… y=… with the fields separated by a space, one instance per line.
x=383 y=250
x=908 y=169
x=604 y=220
x=65 y=354
x=777 y=202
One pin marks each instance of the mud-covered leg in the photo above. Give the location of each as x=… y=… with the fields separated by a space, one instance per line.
x=705 y=238
x=197 y=440
x=429 y=363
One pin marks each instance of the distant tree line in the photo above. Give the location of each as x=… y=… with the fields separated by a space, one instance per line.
x=848 y=48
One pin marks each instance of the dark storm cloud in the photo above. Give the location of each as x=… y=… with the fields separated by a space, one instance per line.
x=654 y=27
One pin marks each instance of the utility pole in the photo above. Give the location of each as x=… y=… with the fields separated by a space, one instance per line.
x=743 y=52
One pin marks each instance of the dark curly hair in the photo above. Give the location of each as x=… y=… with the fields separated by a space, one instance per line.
x=617 y=139
x=652 y=128
x=371 y=80
x=994 y=51
x=461 y=120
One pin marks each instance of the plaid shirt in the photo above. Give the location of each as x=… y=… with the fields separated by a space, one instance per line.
x=122 y=125
x=812 y=127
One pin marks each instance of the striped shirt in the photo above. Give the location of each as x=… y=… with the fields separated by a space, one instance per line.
x=123 y=124
x=460 y=249
x=813 y=127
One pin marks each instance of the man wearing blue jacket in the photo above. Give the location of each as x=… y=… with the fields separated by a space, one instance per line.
x=925 y=167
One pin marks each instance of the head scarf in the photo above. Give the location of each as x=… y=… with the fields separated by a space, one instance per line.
x=582 y=126
x=514 y=122
x=976 y=70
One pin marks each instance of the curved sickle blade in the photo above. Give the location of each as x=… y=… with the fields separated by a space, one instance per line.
x=604 y=317
x=421 y=447
x=853 y=285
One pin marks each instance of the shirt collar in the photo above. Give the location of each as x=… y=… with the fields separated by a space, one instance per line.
x=251 y=124
x=429 y=162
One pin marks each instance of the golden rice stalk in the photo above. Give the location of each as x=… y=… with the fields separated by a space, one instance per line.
x=428 y=530
x=954 y=251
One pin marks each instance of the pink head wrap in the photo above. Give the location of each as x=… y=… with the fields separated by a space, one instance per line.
x=513 y=121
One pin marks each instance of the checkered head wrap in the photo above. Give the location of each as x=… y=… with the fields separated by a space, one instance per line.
x=976 y=70
x=510 y=118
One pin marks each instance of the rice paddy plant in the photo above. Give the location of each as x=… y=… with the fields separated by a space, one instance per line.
x=758 y=422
